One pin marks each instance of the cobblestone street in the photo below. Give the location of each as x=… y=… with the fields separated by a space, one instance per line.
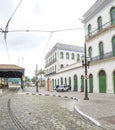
x=37 y=112
x=44 y=111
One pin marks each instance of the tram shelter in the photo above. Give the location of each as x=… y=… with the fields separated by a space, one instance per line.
x=12 y=71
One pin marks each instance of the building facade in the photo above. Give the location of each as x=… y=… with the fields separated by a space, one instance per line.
x=59 y=60
x=99 y=24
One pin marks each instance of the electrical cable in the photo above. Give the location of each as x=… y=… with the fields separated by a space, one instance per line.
x=61 y=30
x=51 y=33
x=7 y=25
x=6 y=29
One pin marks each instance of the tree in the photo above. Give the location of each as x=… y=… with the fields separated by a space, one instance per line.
x=41 y=73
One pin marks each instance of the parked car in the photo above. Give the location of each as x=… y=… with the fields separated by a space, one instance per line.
x=63 y=88
x=55 y=88
x=60 y=88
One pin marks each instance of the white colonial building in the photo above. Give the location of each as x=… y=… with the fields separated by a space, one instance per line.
x=60 y=61
x=99 y=23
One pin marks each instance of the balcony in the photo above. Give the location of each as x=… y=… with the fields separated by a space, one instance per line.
x=103 y=57
x=96 y=32
x=49 y=74
x=50 y=63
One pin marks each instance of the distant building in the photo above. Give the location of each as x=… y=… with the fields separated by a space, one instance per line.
x=60 y=61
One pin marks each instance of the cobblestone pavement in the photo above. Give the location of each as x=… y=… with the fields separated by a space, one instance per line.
x=50 y=110
x=5 y=121
x=37 y=112
x=100 y=107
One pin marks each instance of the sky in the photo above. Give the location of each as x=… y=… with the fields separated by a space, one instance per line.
x=27 y=49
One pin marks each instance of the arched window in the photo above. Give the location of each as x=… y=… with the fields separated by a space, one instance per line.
x=89 y=30
x=112 y=13
x=72 y=56
x=113 y=45
x=99 y=21
x=55 y=56
x=61 y=55
x=70 y=81
x=65 y=81
x=101 y=51
x=58 y=81
x=55 y=68
x=67 y=55
x=61 y=80
x=78 y=57
x=90 y=53
x=61 y=66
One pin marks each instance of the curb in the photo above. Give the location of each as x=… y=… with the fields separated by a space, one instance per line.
x=86 y=116
x=46 y=94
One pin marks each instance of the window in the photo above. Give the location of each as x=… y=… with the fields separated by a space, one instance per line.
x=89 y=30
x=72 y=56
x=90 y=53
x=112 y=13
x=113 y=45
x=78 y=57
x=67 y=55
x=101 y=52
x=55 y=68
x=65 y=80
x=99 y=23
x=61 y=80
x=61 y=66
x=61 y=55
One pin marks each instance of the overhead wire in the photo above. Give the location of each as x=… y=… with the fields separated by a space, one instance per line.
x=6 y=29
x=50 y=36
x=7 y=25
x=29 y=30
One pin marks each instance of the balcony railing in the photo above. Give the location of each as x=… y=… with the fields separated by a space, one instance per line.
x=102 y=57
x=48 y=64
x=50 y=73
x=96 y=31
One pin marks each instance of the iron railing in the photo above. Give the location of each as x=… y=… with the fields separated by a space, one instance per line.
x=96 y=31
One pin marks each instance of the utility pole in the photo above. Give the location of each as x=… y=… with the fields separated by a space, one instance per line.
x=85 y=63
x=36 y=74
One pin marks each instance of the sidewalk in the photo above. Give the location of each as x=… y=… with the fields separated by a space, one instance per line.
x=100 y=108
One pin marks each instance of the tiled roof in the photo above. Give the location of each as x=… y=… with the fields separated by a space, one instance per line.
x=65 y=47
x=69 y=47
x=10 y=66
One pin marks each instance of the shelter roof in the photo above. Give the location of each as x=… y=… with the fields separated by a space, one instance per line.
x=11 y=71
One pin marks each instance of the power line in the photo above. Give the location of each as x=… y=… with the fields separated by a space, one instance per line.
x=7 y=25
x=49 y=31
x=6 y=29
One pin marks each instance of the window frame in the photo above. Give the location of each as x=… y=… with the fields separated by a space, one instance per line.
x=99 y=21
x=112 y=15
x=101 y=50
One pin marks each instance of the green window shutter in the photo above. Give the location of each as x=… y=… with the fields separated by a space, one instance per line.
x=101 y=52
x=113 y=15
x=99 y=23
x=113 y=45
x=89 y=30
x=90 y=53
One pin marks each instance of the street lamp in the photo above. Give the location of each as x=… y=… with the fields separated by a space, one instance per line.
x=36 y=77
x=85 y=63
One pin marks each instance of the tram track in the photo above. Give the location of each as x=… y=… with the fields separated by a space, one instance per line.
x=17 y=123
x=7 y=98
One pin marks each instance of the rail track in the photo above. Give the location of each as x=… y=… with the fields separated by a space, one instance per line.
x=7 y=97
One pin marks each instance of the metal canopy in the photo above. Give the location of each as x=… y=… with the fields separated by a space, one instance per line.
x=11 y=71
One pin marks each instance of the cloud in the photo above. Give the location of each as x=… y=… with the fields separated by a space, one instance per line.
x=39 y=15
